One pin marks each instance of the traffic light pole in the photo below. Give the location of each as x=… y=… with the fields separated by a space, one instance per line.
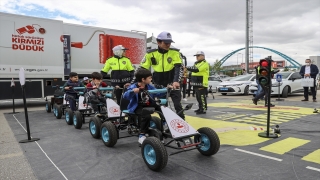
x=267 y=134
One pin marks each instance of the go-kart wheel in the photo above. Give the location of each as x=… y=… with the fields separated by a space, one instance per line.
x=69 y=116
x=48 y=106
x=109 y=134
x=94 y=127
x=155 y=122
x=210 y=142
x=77 y=119
x=154 y=153
x=54 y=109
x=58 y=111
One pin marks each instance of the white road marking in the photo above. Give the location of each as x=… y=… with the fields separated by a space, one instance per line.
x=80 y=168
x=256 y=154
x=43 y=151
x=312 y=168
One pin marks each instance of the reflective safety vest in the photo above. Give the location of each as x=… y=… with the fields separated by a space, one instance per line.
x=200 y=78
x=122 y=69
x=163 y=65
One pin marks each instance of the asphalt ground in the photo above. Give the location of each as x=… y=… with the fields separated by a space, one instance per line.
x=64 y=152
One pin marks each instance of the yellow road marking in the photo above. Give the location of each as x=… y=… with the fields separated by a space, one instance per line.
x=313 y=157
x=260 y=107
x=230 y=133
x=285 y=145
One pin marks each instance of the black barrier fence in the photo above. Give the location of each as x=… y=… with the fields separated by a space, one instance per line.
x=33 y=90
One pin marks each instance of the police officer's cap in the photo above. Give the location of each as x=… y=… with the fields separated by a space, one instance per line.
x=119 y=47
x=199 y=53
x=165 y=37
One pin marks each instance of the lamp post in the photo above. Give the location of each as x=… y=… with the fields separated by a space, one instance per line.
x=237 y=60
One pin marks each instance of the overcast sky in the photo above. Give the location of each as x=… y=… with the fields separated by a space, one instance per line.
x=216 y=27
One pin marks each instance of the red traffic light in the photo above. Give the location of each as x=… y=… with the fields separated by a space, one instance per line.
x=264 y=63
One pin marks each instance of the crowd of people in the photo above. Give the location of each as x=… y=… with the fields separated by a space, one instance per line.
x=168 y=71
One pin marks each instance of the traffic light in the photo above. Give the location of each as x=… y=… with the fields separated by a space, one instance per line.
x=264 y=72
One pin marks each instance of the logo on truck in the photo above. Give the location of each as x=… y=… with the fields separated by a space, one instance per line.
x=25 y=42
x=31 y=29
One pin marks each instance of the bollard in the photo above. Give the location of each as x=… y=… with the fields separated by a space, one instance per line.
x=22 y=82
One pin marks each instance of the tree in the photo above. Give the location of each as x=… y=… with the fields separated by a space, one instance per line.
x=216 y=67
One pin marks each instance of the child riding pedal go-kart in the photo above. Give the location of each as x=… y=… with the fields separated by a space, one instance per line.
x=143 y=102
x=57 y=98
x=93 y=96
x=92 y=101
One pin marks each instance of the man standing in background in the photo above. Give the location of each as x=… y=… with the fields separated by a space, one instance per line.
x=309 y=71
x=199 y=80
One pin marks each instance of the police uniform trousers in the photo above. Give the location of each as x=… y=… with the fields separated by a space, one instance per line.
x=176 y=99
x=201 y=93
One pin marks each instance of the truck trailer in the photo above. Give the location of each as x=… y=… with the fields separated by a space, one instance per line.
x=49 y=50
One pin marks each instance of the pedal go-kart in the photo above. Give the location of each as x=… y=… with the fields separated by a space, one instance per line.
x=57 y=99
x=113 y=115
x=179 y=132
x=78 y=117
x=64 y=109
x=58 y=102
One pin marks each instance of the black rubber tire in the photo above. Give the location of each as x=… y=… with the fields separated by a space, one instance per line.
x=285 y=92
x=156 y=121
x=246 y=90
x=112 y=134
x=212 y=138
x=161 y=155
x=54 y=107
x=224 y=94
x=77 y=120
x=59 y=111
x=48 y=106
x=97 y=123
x=69 y=116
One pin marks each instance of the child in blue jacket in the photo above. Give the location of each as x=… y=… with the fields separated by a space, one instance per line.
x=139 y=100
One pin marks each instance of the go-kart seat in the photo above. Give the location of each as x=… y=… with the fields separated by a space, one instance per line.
x=124 y=105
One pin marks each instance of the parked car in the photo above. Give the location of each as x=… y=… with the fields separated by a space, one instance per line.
x=214 y=82
x=291 y=83
x=223 y=76
x=227 y=78
x=237 y=85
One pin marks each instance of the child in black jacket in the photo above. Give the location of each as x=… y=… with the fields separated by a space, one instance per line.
x=71 y=94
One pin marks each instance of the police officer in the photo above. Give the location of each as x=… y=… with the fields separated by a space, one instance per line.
x=122 y=70
x=199 y=80
x=167 y=65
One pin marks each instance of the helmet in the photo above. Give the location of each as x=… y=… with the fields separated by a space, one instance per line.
x=118 y=50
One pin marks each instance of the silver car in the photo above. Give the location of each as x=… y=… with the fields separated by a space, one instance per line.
x=214 y=82
x=291 y=83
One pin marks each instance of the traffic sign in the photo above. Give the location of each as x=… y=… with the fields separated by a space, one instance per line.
x=279 y=77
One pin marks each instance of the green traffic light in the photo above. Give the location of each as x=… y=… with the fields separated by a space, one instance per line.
x=263 y=81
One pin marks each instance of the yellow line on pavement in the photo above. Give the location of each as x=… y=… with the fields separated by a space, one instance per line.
x=260 y=107
x=285 y=145
x=313 y=157
x=230 y=133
